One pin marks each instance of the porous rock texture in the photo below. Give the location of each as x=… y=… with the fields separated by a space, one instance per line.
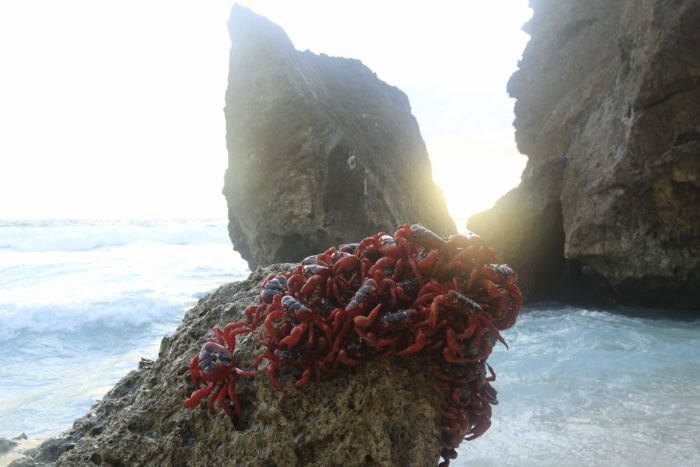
x=381 y=414
x=608 y=113
x=321 y=152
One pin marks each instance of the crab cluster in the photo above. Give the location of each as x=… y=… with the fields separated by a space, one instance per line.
x=411 y=293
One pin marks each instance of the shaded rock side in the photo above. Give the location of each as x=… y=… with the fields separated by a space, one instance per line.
x=381 y=414
x=608 y=113
x=321 y=151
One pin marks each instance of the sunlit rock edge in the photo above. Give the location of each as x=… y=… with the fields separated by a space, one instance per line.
x=608 y=113
x=321 y=151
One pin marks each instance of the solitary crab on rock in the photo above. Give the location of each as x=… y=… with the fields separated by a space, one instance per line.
x=215 y=365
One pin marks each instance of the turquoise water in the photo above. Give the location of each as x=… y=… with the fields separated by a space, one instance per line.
x=585 y=387
x=82 y=302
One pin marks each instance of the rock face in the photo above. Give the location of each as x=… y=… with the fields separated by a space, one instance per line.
x=380 y=414
x=320 y=150
x=608 y=112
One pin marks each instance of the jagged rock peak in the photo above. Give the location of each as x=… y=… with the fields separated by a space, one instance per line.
x=251 y=31
x=321 y=151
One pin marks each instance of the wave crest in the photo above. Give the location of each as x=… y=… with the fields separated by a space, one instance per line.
x=72 y=235
x=77 y=317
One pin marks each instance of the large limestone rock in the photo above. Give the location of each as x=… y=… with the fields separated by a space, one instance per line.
x=382 y=414
x=321 y=151
x=608 y=112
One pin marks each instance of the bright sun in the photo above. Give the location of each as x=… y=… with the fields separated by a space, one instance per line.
x=473 y=182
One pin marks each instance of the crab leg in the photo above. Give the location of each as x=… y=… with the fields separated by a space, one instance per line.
x=197 y=396
x=210 y=402
x=221 y=399
x=366 y=321
x=232 y=395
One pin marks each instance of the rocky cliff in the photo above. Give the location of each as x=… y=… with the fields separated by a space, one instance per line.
x=381 y=414
x=608 y=113
x=320 y=150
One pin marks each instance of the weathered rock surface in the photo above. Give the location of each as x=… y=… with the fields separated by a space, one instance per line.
x=608 y=112
x=379 y=414
x=321 y=152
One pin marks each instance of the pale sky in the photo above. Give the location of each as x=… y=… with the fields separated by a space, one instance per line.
x=114 y=109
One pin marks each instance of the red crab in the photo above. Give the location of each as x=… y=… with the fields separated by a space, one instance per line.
x=413 y=293
x=215 y=365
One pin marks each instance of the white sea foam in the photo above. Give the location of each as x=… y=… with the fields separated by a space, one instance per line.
x=82 y=302
x=108 y=273
x=74 y=317
x=75 y=235
x=131 y=284
x=582 y=387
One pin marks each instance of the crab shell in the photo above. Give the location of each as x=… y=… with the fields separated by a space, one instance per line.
x=215 y=361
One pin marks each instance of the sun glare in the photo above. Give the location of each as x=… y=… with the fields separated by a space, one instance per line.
x=473 y=182
x=114 y=110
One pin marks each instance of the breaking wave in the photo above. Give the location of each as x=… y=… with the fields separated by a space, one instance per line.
x=73 y=235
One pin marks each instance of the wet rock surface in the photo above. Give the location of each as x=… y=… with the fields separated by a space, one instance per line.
x=608 y=113
x=380 y=414
x=321 y=152
x=92 y=424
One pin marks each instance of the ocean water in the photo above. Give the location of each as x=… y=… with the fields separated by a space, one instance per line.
x=82 y=302
x=583 y=387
